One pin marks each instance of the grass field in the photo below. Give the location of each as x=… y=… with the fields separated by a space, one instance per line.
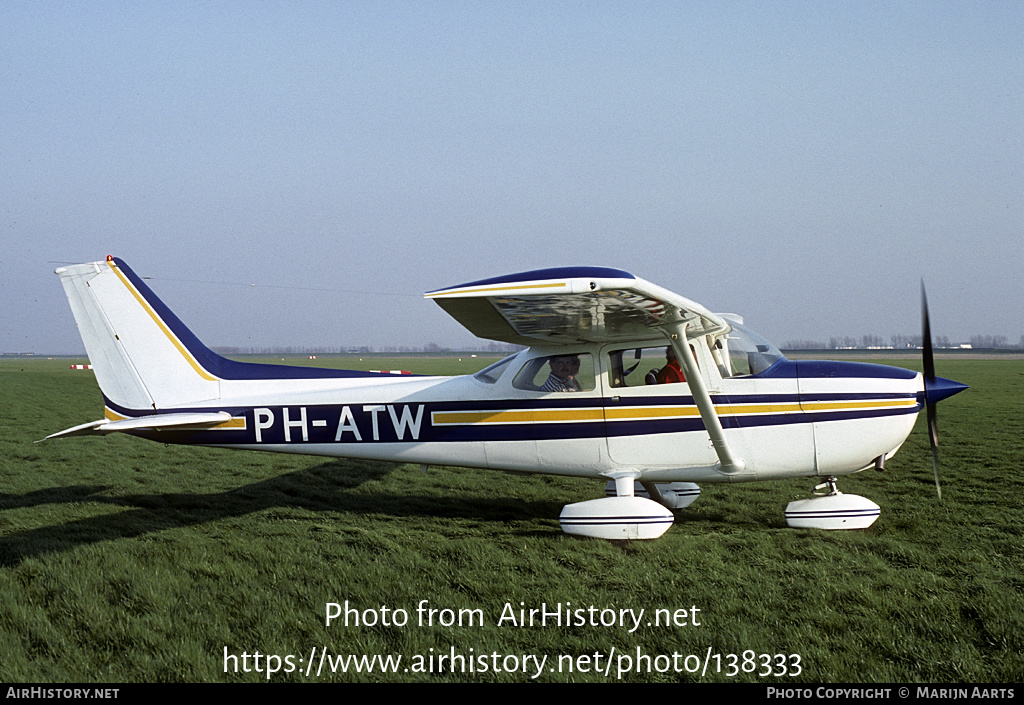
x=123 y=560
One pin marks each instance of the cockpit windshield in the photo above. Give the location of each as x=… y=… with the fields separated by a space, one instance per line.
x=748 y=352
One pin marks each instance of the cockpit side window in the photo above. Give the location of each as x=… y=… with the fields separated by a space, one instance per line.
x=557 y=373
x=636 y=367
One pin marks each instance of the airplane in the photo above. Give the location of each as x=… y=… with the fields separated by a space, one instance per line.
x=581 y=399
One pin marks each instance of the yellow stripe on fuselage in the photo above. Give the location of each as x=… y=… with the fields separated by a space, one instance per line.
x=462 y=418
x=638 y=413
x=641 y=413
x=236 y=423
x=849 y=405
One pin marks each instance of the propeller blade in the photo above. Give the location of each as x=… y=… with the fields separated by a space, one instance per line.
x=929 y=382
x=926 y=339
x=933 y=437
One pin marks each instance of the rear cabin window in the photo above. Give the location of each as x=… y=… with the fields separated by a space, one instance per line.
x=491 y=373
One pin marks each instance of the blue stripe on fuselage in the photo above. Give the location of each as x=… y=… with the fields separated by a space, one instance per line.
x=833 y=369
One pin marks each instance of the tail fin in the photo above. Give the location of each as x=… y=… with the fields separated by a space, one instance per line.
x=143 y=356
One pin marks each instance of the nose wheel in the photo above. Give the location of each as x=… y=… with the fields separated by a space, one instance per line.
x=830 y=509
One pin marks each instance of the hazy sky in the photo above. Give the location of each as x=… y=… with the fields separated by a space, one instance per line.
x=803 y=164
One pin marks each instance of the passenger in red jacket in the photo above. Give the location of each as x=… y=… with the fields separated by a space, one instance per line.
x=671 y=372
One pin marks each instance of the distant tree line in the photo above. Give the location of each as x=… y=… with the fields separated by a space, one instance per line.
x=901 y=342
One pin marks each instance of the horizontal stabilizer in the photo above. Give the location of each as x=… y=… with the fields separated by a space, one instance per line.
x=155 y=422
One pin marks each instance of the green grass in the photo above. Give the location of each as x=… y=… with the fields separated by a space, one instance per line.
x=123 y=560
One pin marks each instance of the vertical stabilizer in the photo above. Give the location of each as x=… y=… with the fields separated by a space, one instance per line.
x=143 y=357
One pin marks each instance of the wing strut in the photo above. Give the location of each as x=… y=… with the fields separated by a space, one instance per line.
x=729 y=462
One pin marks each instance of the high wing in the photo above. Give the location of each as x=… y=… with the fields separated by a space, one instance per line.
x=568 y=305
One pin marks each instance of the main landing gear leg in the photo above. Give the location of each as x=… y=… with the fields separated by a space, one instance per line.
x=831 y=509
x=671 y=495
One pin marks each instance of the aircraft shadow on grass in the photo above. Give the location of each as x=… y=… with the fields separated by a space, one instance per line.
x=50 y=495
x=322 y=488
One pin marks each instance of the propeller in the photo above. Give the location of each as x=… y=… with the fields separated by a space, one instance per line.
x=930 y=383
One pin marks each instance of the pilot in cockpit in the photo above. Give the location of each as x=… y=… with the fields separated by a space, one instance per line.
x=564 y=369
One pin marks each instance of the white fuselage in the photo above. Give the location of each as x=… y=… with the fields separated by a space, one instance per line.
x=746 y=412
x=796 y=419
